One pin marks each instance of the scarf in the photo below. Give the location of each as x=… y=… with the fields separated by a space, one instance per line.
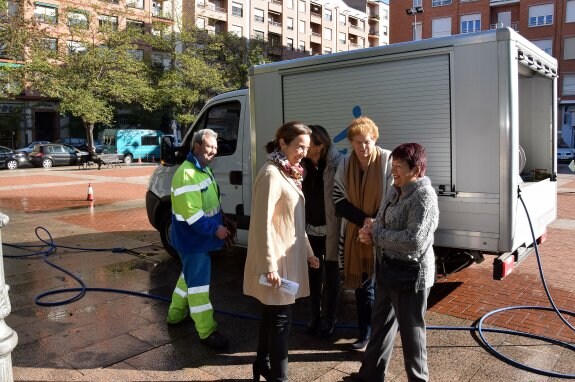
x=364 y=191
x=293 y=171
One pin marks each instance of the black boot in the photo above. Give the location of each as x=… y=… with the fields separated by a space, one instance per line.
x=261 y=368
x=313 y=326
x=327 y=327
x=278 y=342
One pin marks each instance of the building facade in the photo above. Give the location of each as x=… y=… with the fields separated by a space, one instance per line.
x=549 y=24
x=291 y=28
x=294 y=28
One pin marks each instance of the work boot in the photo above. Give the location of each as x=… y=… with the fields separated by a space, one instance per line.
x=175 y=316
x=215 y=341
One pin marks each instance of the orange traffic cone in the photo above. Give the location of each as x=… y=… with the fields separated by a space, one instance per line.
x=90 y=197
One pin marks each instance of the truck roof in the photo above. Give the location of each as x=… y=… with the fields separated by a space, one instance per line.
x=500 y=34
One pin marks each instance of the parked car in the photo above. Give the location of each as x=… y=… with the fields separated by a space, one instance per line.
x=565 y=154
x=54 y=154
x=76 y=142
x=28 y=149
x=11 y=159
x=97 y=146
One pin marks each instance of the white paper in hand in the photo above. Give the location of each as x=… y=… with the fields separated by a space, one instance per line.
x=286 y=286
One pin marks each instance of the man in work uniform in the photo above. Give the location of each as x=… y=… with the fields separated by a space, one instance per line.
x=197 y=227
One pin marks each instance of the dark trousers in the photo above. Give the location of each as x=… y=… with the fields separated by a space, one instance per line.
x=364 y=300
x=393 y=311
x=324 y=282
x=273 y=339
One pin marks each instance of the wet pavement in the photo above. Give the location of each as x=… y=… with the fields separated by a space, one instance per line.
x=106 y=336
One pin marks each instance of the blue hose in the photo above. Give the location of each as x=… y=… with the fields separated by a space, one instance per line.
x=81 y=291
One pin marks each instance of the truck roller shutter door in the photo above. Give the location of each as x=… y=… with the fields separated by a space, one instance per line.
x=409 y=99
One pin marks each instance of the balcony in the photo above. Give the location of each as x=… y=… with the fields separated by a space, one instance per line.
x=315 y=17
x=374 y=17
x=495 y=3
x=138 y=4
x=315 y=38
x=162 y=14
x=212 y=12
x=274 y=26
x=355 y=29
x=514 y=26
x=275 y=6
x=353 y=45
x=373 y=32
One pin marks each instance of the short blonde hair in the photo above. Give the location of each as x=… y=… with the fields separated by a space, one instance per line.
x=363 y=126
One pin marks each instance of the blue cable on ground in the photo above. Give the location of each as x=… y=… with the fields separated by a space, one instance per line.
x=81 y=291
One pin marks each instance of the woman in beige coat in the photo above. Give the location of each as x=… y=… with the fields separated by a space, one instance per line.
x=278 y=246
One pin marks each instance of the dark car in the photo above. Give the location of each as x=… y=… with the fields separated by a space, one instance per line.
x=28 y=149
x=76 y=142
x=10 y=159
x=54 y=154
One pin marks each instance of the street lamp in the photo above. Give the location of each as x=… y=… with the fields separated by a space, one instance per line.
x=413 y=11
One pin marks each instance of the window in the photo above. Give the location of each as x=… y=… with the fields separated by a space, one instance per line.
x=342 y=19
x=237 y=30
x=441 y=27
x=289 y=43
x=385 y=14
x=569 y=48
x=46 y=14
x=75 y=46
x=439 y=3
x=135 y=4
x=290 y=4
x=108 y=22
x=301 y=26
x=545 y=45
x=77 y=19
x=470 y=23
x=138 y=54
x=384 y=29
x=341 y=37
x=12 y=9
x=302 y=46
x=568 y=84
x=50 y=44
x=540 y=15
x=301 y=6
x=237 y=9
x=258 y=15
x=290 y=23
x=570 y=11
x=417 y=3
x=136 y=25
x=326 y=50
x=201 y=23
x=327 y=34
x=224 y=119
x=162 y=59
x=259 y=35
x=327 y=14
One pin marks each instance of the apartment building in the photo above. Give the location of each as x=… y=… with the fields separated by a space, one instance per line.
x=549 y=24
x=68 y=24
x=295 y=28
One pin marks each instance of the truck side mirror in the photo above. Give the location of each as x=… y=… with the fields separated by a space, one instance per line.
x=167 y=151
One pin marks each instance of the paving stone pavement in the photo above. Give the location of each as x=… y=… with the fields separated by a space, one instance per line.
x=119 y=337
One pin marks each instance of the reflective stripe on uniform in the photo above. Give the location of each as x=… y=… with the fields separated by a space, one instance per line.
x=192 y=187
x=181 y=293
x=194 y=218
x=200 y=308
x=199 y=289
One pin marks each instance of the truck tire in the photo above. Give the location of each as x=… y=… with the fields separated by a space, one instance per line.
x=128 y=159
x=165 y=228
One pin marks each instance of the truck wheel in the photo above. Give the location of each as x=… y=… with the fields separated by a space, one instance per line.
x=165 y=228
x=128 y=159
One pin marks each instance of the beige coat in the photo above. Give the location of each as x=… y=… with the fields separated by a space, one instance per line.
x=277 y=240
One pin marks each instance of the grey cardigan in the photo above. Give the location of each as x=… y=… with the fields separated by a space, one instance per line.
x=411 y=219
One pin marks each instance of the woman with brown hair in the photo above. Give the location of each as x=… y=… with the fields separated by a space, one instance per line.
x=278 y=247
x=361 y=182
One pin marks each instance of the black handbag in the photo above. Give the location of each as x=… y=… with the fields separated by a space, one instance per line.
x=400 y=276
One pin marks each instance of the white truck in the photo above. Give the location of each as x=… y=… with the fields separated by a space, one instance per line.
x=483 y=105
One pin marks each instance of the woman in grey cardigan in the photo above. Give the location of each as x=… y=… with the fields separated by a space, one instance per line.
x=402 y=234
